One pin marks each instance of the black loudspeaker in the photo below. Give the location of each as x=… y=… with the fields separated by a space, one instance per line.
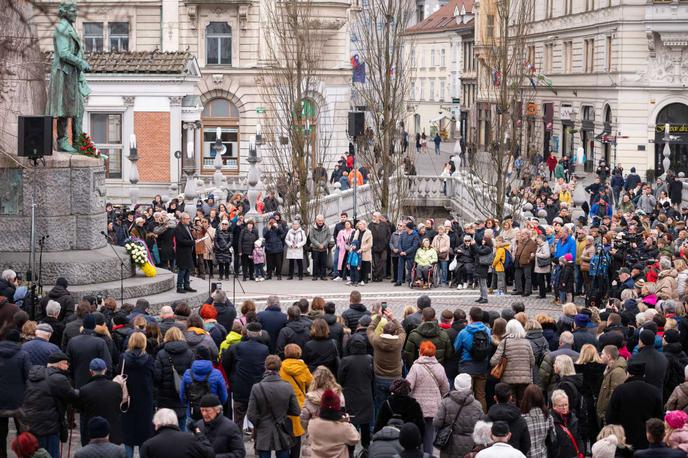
x=35 y=136
x=356 y=123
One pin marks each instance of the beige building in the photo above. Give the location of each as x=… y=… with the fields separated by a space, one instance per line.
x=224 y=42
x=443 y=85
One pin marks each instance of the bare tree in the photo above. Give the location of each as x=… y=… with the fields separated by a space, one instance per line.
x=299 y=126
x=379 y=28
x=505 y=74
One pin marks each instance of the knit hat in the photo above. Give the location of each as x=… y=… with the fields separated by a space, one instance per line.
x=210 y=400
x=57 y=357
x=409 y=436
x=400 y=386
x=500 y=429
x=254 y=327
x=208 y=312
x=462 y=383
x=636 y=368
x=671 y=336
x=605 y=447
x=647 y=337
x=99 y=317
x=676 y=419
x=568 y=257
x=89 y=322
x=61 y=281
x=202 y=353
x=45 y=327
x=98 y=427
x=13 y=335
x=330 y=404
x=97 y=365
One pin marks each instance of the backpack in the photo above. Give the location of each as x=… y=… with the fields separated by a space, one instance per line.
x=194 y=392
x=354 y=259
x=508 y=260
x=599 y=264
x=121 y=380
x=480 y=349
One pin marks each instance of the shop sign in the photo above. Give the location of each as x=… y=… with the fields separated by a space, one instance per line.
x=673 y=128
x=531 y=109
x=565 y=112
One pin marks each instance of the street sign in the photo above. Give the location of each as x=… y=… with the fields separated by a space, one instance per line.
x=260 y=110
x=456 y=100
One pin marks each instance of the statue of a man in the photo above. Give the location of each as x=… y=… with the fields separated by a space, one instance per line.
x=68 y=86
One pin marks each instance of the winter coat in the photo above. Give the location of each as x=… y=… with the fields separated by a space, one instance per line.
x=176 y=356
x=169 y=442
x=7 y=289
x=353 y=314
x=244 y=363
x=546 y=376
x=356 y=377
x=448 y=413
x=311 y=410
x=381 y=232
x=99 y=449
x=540 y=348
x=565 y=448
x=273 y=239
x=185 y=244
x=273 y=320
x=225 y=436
x=431 y=331
x=137 y=422
x=48 y=393
x=566 y=246
x=520 y=364
x=39 y=351
x=102 y=398
x=222 y=245
x=319 y=235
x=336 y=330
x=331 y=439
x=655 y=366
x=217 y=333
x=667 y=285
x=676 y=363
x=465 y=258
x=429 y=384
x=58 y=329
x=582 y=336
x=442 y=246
x=385 y=443
x=81 y=350
x=426 y=257
x=463 y=345
x=480 y=270
x=196 y=336
x=542 y=252
x=633 y=403
x=366 y=240
x=342 y=245
x=295 y=331
x=202 y=370
x=539 y=424
x=386 y=350
x=226 y=314
x=520 y=437
x=297 y=374
x=164 y=240
x=271 y=399
x=585 y=257
x=400 y=406
x=525 y=252
x=295 y=241
x=409 y=243
x=321 y=352
x=247 y=240
x=60 y=294
x=679 y=398
x=16 y=365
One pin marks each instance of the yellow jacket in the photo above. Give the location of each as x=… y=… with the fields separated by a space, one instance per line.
x=296 y=372
x=565 y=196
x=500 y=257
x=426 y=257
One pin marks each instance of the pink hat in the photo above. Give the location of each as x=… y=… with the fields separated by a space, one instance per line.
x=568 y=257
x=676 y=419
x=650 y=299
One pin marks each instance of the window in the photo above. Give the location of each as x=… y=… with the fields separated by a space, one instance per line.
x=531 y=55
x=589 y=5
x=93 y=36
x=608 y=54
x=420 y=13
x=223 y=114
x=589 y=56
x=549 y=48
x=568 y=5
x=442 y=58
x=490 y=25
x=568 y=56
x=218 y=44
x=422 y=90
x=550 y=9
x=442 y=84
x=413 y=90
x=119 y=36
x=432 y=57
x=106 y=132
x=431 y=95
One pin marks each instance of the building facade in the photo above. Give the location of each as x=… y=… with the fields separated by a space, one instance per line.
x=618 y=73
x=227 y=42
x=443 y=82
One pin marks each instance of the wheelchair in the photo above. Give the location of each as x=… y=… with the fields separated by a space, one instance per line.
x=433 y=277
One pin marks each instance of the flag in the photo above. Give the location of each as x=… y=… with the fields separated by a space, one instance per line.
x=358 y=67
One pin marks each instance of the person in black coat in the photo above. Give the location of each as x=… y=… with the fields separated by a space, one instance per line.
x=655 y=432
x=137 y=422
x=274 y=235
x=100 y=398
x=676 y=362
x=175 y=355
x=14 y=375
x=336 y=329
x=184 y=256
x=504 y=410
x=355 y=311
x=297 y=331
x=83 y=348
x=655 y=362
x=567 y=444
x=222 y=248
x=272 y=320
x=321 y=349
x=400 y=405
x=170 y=442
x=60 y=294
x=633 y=403
x=73 y=328
x=356 y=377
x=224 y=435
x=226 y=312
x=247 y=239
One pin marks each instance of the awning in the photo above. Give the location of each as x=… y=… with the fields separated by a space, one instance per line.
x=605 y=136
x=439 y=118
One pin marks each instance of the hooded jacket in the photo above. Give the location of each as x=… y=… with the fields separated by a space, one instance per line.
x=429 y=384
x=195 y=337
x=520 y=437
x=201 y=370
x=296 y=331
x=353 y=314
x=225 y=436
x=336 y=330
x=356 y=377
x=14 y=375
x=463 y=345
x=177 y=356
x=296 y=372
x=431 y=331
x=273 y=320
x=385 y=443
x=60 y=294
x=461 y=441
x=231 y=339
x=244 y=363
x=47 y=396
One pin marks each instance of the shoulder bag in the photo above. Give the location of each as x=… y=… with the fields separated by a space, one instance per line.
x=175 y=376
x=498 y=370
x=283 y=428
x=543 y=262
x=121 y=380
x=444 y=434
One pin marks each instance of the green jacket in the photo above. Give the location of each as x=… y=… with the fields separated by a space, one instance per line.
x=559 y=171
x=319 y=236
x=426 y=257
x=431 y=331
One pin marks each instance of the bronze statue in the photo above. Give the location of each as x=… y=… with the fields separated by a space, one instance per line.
x=68 y=86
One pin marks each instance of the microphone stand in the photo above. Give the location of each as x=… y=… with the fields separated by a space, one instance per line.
x=41 y=243
x=121 y=269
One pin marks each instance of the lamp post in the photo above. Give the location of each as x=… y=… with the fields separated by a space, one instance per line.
x=666 y=152
x=255 y=186
x=134 y=170
x=189 y=168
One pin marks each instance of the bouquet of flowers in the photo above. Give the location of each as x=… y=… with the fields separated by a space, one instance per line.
x=87 y=148
x=140 y=256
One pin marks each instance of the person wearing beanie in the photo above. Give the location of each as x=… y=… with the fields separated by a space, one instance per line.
x=605 y=447
x=677 y=429
x=656 y=363
x=100 y=397
x=83 y=348
x=331 y=434
x=271 y=400
x=401 y=405
x=39 y=348
x=461 y=410
x=411 y=440
x=60 y=294
x=99 y=444
x=224 y=435
x=634 y=402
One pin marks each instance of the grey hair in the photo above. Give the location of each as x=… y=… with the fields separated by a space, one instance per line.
x=53 y=308
x=166 y=311
x=482 y=433
x=665 y=263
x=9 y=275
x=272 y=300
x=558 y=394
x=165 y=417
x=514 y=328
x=566 y=337
x=565 y=365
x=219 y=296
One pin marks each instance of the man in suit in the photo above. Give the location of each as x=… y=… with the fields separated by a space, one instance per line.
x=185 y=254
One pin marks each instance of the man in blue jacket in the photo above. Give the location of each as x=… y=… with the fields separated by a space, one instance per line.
x=565 y=244
x=409 y=241
x=475 y=361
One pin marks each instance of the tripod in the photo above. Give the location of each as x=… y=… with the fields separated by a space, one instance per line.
x=121 y=268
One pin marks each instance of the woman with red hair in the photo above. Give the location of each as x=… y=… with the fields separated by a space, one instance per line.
x=429 y=385
x=26 y=445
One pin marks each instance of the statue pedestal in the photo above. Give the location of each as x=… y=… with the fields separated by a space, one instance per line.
x=70 y=209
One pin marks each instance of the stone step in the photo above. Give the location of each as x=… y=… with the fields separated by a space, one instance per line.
x=134 y=287
x=170 y=295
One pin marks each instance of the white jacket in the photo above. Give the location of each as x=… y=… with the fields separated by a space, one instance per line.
x=500 y=450
x=294 y=241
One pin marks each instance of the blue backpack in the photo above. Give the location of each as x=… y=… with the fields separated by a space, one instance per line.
x=599 y=264
x=508 y=260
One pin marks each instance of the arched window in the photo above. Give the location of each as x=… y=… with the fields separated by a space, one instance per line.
x=218 y=44
x=676 y=115
x=223 y=114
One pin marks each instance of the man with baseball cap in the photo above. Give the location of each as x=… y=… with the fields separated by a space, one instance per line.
x=500 y=448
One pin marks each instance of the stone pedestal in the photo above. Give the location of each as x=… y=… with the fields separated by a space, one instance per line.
x=70 y=209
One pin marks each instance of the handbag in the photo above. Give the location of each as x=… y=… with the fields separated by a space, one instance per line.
x=175 y=376
x=444 y=434
x=543 y=262
x=452 y=265
x=283 y=428
x=486 y=259
x=498 y=370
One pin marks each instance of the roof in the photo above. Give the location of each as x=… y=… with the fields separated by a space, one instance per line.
x=443 y=19
x=138 y=62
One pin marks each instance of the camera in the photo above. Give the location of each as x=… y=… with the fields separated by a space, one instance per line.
x=214 y=286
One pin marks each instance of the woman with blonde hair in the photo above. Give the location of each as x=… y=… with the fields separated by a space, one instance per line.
x=549 y=330
x=622 y=448
x=323 y=380
x=294 y=371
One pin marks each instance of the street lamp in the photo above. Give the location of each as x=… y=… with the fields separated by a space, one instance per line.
x=133 y=171
x=189 y=168
x=255 y=186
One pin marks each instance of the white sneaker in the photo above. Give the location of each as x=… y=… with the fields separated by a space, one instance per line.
x=337 y=279
x=361 y=284
x=459 y=286
x=349 y=282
